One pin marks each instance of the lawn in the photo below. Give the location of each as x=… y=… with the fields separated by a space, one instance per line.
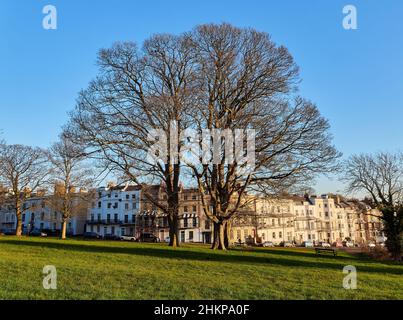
x=119 y=270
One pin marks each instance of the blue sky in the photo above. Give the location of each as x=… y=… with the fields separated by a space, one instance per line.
x=354 y=76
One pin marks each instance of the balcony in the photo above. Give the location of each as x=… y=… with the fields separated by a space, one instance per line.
x=104 y=221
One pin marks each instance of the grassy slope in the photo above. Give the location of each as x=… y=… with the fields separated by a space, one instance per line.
x=116 y=270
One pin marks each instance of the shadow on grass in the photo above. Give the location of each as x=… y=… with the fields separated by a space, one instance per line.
x=233 y=256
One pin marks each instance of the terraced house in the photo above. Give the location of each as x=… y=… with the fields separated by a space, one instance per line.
x=299 y=219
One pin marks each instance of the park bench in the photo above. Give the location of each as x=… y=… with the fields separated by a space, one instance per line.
x=326 y=250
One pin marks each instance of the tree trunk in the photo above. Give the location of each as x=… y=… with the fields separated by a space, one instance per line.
x=18 y=230
x=173 y=231
x=219 y=236
x=64 y=229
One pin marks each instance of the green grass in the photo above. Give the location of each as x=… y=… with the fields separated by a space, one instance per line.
x=118 y=270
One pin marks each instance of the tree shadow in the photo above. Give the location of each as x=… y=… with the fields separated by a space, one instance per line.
x=233 y=256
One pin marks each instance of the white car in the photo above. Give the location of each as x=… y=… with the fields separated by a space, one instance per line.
x=325 y=245
x=128 y=238
x=167 y=239
x=371 y=245
x=268 y=244
x=349 y=244
x=308 y=244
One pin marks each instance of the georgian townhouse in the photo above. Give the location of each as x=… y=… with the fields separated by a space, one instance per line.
x=37 y=214
x=134 y=210
x=115 y=210
x=306 y=220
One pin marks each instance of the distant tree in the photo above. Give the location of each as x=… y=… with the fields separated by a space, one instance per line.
x=380 y=176
x=72 y=180
x=23 y=170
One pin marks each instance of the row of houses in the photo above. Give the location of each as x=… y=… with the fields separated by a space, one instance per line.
x=133 y=210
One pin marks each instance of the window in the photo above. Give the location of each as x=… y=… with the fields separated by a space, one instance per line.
x=194 y=197
x=194 y=208
x=105 y=230
x=134 y=205
x=98 y=229
x=194 y=222
x=185 y=222
x=207 y=224
x=113 y=230
x=122 y=231
x=274 y=235
x=127 y=197
x=99 y=204
x=108 y=217
x=185 y=197
x=280 y=234
x=185 y=209
x=126 y=206
x=190 y=235
x=92 y=217
x=109 y=205
x=99 y=217
x=133 y=196
x=126 y=218
x=238 y=234
x=116 y=217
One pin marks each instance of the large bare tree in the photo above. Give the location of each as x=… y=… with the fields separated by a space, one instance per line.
x=137 y=93
x=247 y=82
x=72 y=179
x=380 y=175
x=23 y=170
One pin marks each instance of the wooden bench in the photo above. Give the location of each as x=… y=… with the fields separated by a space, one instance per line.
x=326 y=250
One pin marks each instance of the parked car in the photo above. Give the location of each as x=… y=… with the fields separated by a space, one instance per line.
x=308 y=244
x=348 y=244
x=148 y=237
x=8 y=232
x=338 y=244
x=325 y=245
x=371 y=245
x=287 y=244
x=38 y=233
x=128 y=238
x=168 y=239
x=110 y=236
x=268 y=244
x=92 y=235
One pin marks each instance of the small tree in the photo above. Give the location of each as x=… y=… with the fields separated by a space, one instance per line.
x=381 y=177
x=72 y=180
x=23 y=170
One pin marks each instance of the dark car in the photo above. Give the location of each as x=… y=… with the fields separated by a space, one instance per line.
x=91 y=235
x=37 y=233
x=110 y=236
x=8 y=232
x=148 y=237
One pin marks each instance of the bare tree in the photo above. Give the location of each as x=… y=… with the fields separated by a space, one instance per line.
x=23 y=170
x=136 y=93
x=247 y=82
x=381 y=177
x=72 y=179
